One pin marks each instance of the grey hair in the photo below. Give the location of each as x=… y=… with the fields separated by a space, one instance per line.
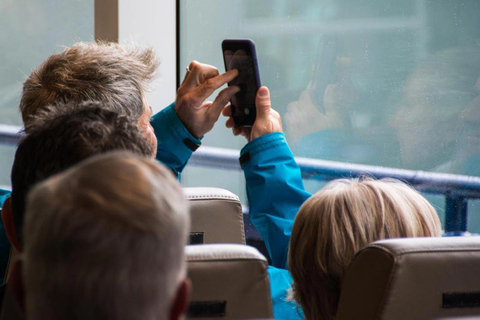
x=111 y=73
x=105 y=240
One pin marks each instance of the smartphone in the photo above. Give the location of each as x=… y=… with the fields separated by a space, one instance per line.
x=324 y=70
x=240 y=54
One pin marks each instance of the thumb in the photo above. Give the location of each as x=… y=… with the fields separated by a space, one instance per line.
x=262 y=103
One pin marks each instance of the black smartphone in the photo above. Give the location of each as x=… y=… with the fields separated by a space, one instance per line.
x=240 y=54
x=325 y=69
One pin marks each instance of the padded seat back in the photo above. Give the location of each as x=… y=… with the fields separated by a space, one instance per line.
x=229 y=282
x=415 y=278
x=216 y=216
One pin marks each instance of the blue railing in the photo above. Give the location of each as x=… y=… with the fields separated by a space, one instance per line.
x=457 y=189
x=9 y=134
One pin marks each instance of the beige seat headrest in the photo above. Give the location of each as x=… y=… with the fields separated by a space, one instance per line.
x=230 y=281
x=414 y=278
x=216 y=216
x=217 y=252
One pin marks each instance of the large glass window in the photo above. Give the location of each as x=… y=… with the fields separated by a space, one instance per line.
x=30 y=31
x=379 y=82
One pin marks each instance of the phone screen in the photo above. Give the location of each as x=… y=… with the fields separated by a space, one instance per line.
x=324 y=70
x=242 y=59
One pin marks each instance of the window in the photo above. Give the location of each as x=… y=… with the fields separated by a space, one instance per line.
x=30 y=32
x=379 y=82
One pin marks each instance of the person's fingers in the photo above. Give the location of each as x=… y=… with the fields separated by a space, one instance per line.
x=230 y=123
x=331 y=100
x=293 y=107
x=204 y=90
x=227 y=111
x=262 y=103
x=236 y=131
x=198 y=74
x=306 y=95
x=246 y=132
x=276 y=115
x=242 y=131
x=187 y=74
x=205 y=105
x=222 y=100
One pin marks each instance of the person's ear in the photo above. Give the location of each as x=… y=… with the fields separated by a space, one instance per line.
x=16 y=284
x=180 y=302
x=7 y=217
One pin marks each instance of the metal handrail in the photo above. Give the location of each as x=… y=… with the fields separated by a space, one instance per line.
x=456 y=188
x=9 y=135
x=315 y=169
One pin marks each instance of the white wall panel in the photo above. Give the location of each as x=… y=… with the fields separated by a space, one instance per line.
x=152 y=23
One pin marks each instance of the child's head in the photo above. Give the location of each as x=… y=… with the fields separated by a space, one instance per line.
x=338 y=221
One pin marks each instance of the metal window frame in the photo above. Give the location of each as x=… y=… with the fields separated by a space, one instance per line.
x=106 y=20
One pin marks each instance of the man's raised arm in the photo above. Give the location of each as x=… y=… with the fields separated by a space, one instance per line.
x=180 y=127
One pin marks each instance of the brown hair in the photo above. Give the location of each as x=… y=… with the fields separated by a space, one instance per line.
x=338 y=221
x=107 y=72
x=105 y=240
x=63 y=135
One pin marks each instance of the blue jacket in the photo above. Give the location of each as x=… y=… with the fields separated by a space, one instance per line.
x=274 y=189
x=175 y=144
x=275 y=193
x=4 y=242
x=4 y=194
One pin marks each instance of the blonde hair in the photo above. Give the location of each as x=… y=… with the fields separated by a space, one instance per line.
x=105 y=240
x=338 y=221
x=111 y=73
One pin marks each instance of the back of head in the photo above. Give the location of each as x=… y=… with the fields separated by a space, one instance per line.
x=338 y=221
x=105 y=240
x=63 y=136
x=108 y=72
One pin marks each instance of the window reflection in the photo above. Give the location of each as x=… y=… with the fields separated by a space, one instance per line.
x=380 y=82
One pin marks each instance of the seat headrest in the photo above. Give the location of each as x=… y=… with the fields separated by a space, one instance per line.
x=230 y=281
x=398 y=247
x=216 y=216
x=413 y=278
x=217 y=252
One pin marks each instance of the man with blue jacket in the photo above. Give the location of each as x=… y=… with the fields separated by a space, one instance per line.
x=119 y=76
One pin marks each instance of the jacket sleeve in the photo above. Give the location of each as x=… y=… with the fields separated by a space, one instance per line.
x=4 y=194
x=275 y=191
x=4 y=242
x=175 y=144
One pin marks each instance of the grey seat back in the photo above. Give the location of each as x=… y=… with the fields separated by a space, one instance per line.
x=229 y=282
x=216 y=216
x=415 y=278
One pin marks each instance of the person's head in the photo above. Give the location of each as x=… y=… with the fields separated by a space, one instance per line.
x=339 y=220
x=113 y=74
x=61 y=137
x=105 y=240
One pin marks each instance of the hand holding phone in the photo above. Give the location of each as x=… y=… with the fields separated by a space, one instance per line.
x=240 y=54
x=267 y=120
x=325 y=70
